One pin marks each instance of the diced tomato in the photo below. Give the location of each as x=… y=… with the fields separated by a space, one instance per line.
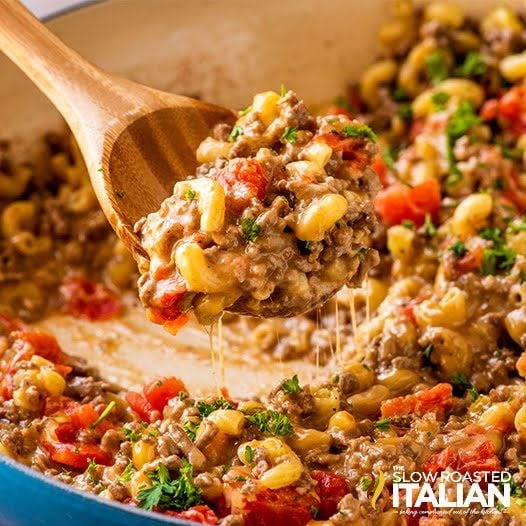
x=281 y=507
x=83 y=416
x=90 y=300
x=380 y=169
x=66 y=432
x=471 y=261
x=243 y=180
x=397 y=202
x=512 y=110
x=478 y=456
x=142 y=407
x=352 y=149
x=77 y=455
x=168 y=310
x=56 y=404
x=43 y=344
x=331 y=489
x=160 y=391
x=408 y=310
x=513 y=192
x=437 y=399
x=200 y=514
x=489 y=110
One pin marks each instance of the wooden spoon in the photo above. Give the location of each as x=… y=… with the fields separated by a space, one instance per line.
x=136 y=141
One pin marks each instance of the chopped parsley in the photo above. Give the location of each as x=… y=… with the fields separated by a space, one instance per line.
x=292 y=385
x=383 y=424
x=500 y=257
x=272 y=422
x=109 y=408
x=236 y=132
x=399 y=94
x=460 y=123
x=436 y=67
x=473 y=66
x=314 y=511
x=120 y=194
x=206 y=409
x=190 y=428
x=249 y=455
x=178 y=494
x=359 y=130
x=514 y=228
x=131 y=435
x=407 y=223
x=458 y=248
x=389 y=156
x=429 y=228
x=250 y=229
x=439 y=99
x=428 y=350
x=190 y=195
x=183 y=396
x=361 y=254
x=365 y=483
x=127 y=474
x=290 y=134
x=240 y=478
x=405 y=112
x=462 y=385
x=282 y=90
x=92 y=466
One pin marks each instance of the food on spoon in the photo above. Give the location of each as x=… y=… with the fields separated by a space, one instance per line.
x=277 y=218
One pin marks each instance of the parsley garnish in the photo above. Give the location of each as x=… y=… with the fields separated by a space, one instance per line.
x=246 y=111
x=290 y=134
x=282 y=90
x=407 y=223
x=405 y=112
x=436 y=68
x=183 y=396
x=292 y=385
x=429 y=228
x=250 y=229
x=365 y=483
x=272 y=422
x=249 y=455
x=500 y=257
x=109 y=408
x=389 y=157
x=361 y=254
x=460 y=123
x=127 y=474
x=399 y=94
x=205 y=409
x=190 y=428
x=359 y=130
x=131 y=435
x=119 y=194
x=472 y=66
x=458 y=248
x=383 y=424
x=463 y=385
x=513 y=228
x=236 y=132
x=428 y=350
x=439 y=99
x=240 y=478
x=92 y=466
x=165 y=493
x=313 y=511
x=190 y=195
